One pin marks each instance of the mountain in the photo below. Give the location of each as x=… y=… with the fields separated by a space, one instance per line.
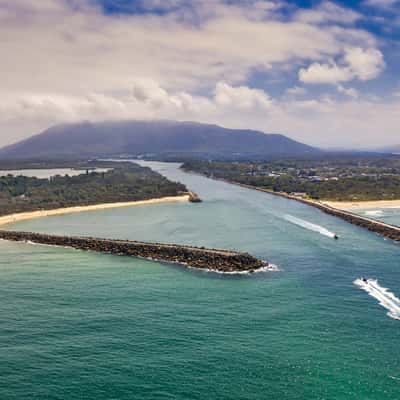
x=157 y=139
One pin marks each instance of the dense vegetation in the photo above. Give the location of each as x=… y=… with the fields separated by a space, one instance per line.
x=124 y=182
x=332 y=179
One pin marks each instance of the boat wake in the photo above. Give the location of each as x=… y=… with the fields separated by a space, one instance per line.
x=386 y=299
x=311 y=227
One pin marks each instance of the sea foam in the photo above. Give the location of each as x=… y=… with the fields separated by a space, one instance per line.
x=310 y=226
x=374 y=213
x=386 y=298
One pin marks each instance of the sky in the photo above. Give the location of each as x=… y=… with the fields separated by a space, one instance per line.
x=322 y=72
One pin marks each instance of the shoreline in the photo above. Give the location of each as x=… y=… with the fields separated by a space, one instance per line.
x=363 y=204
x=11 y=218
x=383 y=229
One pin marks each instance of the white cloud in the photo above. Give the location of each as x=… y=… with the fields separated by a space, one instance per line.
x=241 y=97
x=351 y=92
x=52 y=46
x=366 y=64
x=357 y=63
x=323 y=121
x=65 y=60
x=325 y=73
x=328 y=12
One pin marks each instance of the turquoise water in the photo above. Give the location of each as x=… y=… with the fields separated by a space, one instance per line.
x=78 y=325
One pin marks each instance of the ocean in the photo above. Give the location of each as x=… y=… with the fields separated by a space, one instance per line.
x=82 y=325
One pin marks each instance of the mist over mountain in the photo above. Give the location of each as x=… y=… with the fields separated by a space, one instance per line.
x=157 y=139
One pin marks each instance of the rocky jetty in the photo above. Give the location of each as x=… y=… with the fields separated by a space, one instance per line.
x=208 y=259
x=386 y=230
x=194 y=197
x=381 y=228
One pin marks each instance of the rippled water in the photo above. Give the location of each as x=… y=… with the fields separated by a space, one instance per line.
x=81 y=325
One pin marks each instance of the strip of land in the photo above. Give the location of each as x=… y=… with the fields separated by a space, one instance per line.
x=225 y=261
x=11 y=218
x=363 y=204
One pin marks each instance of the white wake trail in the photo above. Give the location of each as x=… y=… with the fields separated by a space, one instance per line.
x=386 y=299
x=308 y=225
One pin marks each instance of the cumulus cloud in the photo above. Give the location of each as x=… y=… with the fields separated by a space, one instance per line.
x=357 y=63
x=81 y=49
x=241 y=97
x=365 y=64
x=325 y=73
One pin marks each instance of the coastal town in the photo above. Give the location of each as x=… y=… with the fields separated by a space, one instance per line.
x=345 y=178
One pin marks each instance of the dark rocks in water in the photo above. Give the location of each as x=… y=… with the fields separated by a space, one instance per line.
x=386 y=230
x=194 y=197
x=381 y=228
x=210 y=259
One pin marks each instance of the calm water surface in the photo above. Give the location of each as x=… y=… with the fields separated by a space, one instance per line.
x=47 y=173
x=79 y=325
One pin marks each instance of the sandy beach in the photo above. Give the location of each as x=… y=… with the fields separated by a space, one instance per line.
x=363 y=204
x=7 y=219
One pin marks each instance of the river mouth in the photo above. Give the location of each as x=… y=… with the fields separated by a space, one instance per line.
x=120 y=325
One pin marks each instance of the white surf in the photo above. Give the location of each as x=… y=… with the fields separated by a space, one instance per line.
x=308 y=225
x=374 y=213
x=385 y=298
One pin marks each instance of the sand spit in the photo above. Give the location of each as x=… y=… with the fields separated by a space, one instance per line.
x=11 y=218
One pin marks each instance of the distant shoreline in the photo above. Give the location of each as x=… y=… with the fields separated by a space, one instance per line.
x=11 y=218
x=362 y=204
x=386 y=230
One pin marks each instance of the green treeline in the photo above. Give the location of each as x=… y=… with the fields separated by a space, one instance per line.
x=324 y=180
x=124 y=182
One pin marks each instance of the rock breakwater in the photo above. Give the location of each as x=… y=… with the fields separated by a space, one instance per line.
x=386 y=230
x=202 y=258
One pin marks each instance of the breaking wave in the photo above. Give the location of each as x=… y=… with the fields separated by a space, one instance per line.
x=268 y=268
x=374 y=213
x=308 y=225
x=386 y=299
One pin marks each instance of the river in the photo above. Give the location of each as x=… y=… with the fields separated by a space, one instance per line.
x=81 y=325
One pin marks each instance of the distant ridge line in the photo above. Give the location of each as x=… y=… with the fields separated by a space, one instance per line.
x=157 y=139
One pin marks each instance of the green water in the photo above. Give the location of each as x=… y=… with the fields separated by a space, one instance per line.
x=78 y=325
